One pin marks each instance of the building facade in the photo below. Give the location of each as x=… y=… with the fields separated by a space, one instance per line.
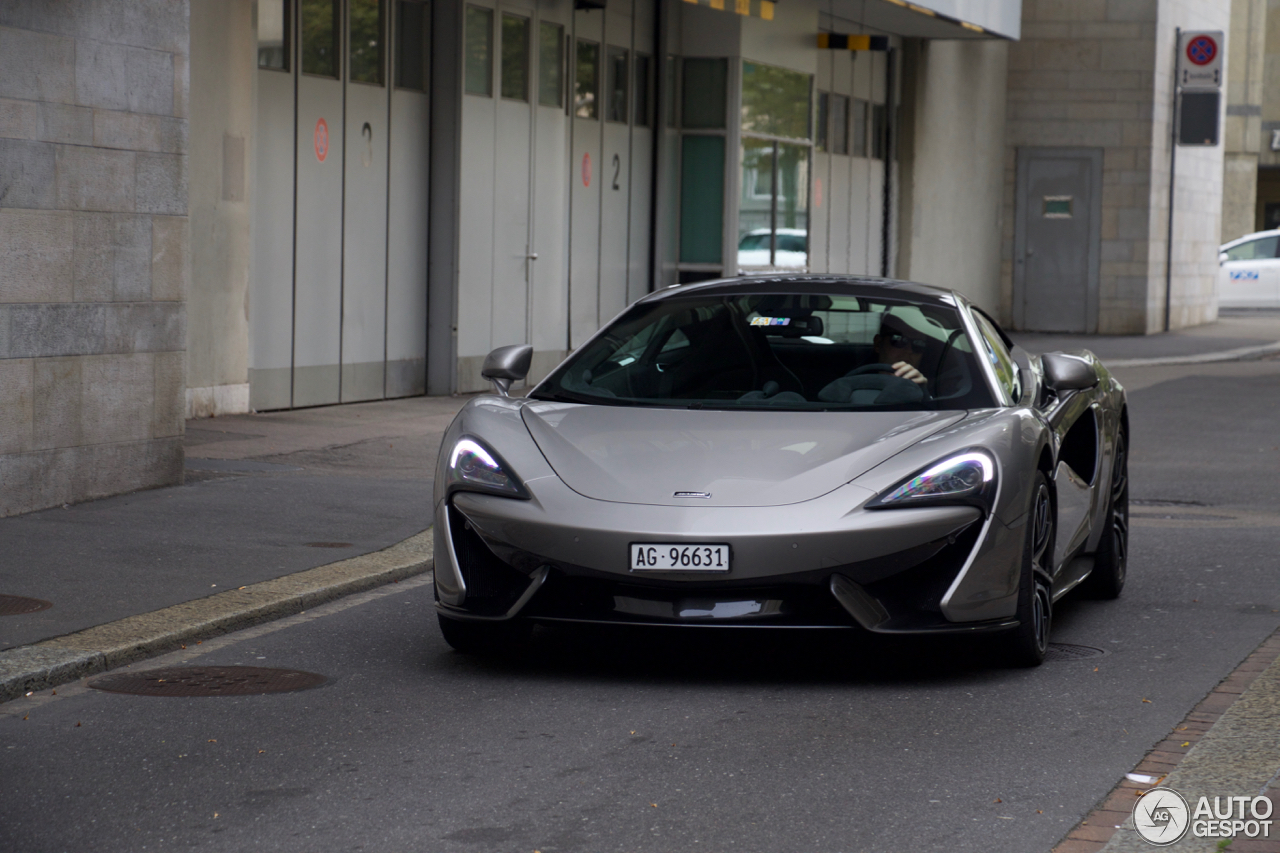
x=366 y=196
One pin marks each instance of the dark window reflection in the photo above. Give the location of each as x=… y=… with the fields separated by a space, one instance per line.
x=320 y=37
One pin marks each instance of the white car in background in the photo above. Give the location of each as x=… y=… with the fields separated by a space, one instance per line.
x=1249 y=272
x=792 y=252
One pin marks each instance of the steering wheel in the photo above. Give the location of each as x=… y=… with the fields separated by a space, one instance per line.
x=874 y=368
x=888 y=378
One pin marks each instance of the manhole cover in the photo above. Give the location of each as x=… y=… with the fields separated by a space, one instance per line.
x=16 y=605
x=330 y=545
x=208 y=681
x=1067 y=651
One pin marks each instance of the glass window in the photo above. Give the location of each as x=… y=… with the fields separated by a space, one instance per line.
x=479 y=60
x=879 y=131
x=773 y=211
x=703 y=93
x=1264 y=247
x=755 y=206
x=641 y=88
x=994 y=349
x=365 y=56
x=775 y=101
x=411 y=45
x=839 y=124
x=794 y=351
x=617 y=84
x=820 y=130
x=550 y=65
x=586 y=85
x=273 y=24
x=858 y=129
x=515 y=58
x=320 y=37
x=701 y=199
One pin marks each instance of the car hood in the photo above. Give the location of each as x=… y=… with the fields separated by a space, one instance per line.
x=646 y=456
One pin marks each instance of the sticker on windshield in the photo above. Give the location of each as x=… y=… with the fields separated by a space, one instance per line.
x=771 y=321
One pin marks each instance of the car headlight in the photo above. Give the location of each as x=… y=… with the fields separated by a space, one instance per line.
x=966 y=478
x=474 y=467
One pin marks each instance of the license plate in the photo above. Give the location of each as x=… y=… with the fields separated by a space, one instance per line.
x=657 y=557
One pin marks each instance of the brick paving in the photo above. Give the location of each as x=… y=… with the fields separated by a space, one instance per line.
x=1092 y=833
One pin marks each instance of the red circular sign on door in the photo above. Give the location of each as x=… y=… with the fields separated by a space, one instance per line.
x=586 y=169
x=1201 y=50
x=321 y=140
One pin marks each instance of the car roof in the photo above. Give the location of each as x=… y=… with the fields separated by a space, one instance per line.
x=1246 y=238
x=834 y=285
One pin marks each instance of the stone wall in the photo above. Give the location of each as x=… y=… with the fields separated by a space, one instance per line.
x=1098 y=74
x=93 y=248
x=1242 y=128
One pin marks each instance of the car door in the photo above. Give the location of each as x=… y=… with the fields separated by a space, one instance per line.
x=1249 y=277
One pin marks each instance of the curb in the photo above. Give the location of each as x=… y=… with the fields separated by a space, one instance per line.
x=1225 y=745
x=59 y=660
x=1241 y=354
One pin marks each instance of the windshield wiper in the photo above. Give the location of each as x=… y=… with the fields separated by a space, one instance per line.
x=563 y=396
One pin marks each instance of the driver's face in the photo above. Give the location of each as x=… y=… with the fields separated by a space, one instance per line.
x=893 y=347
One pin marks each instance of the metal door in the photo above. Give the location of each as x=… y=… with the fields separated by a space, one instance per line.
x=1056 y=241
x=270 y=305
x=643 y=86
x=549 y=236
x=406 y=316
x=615 y=183
x=364 y=208
x=587 y=175
x=512 y=173
x=317 y=308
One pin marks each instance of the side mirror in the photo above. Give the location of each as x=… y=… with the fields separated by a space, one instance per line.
x=1068 y=372
x=507 y=364
x=1222 y=257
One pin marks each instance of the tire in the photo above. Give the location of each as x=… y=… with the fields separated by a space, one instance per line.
x=1111 y=562
x=486 y=638
x=1026 y=645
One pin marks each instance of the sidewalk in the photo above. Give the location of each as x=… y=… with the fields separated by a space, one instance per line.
x=282 y=511
x=1236 y=334
x=266 y=497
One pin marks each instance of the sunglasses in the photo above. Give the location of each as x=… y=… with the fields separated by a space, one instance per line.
x=898 y=341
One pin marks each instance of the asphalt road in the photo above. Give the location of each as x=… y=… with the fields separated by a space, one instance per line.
x=652 y=741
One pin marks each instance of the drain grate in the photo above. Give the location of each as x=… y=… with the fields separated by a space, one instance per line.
x=329 y=545
x=208 y=681
x=16 y=605
x=1069 y=651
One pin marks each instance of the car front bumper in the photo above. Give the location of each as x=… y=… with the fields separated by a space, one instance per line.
x=826 y=562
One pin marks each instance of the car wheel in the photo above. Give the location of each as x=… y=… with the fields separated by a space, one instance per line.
x=1026 y=645
x=485 y=638
x=1111 y=562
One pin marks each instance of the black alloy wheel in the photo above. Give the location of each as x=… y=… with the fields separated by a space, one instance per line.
x=1027 y=644
x=1111 y=562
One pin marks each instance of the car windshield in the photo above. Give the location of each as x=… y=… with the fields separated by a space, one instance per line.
x=797 y=352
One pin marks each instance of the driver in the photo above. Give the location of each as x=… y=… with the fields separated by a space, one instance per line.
x=902 y=346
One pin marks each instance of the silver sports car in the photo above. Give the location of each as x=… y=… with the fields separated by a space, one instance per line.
x=800 y=451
